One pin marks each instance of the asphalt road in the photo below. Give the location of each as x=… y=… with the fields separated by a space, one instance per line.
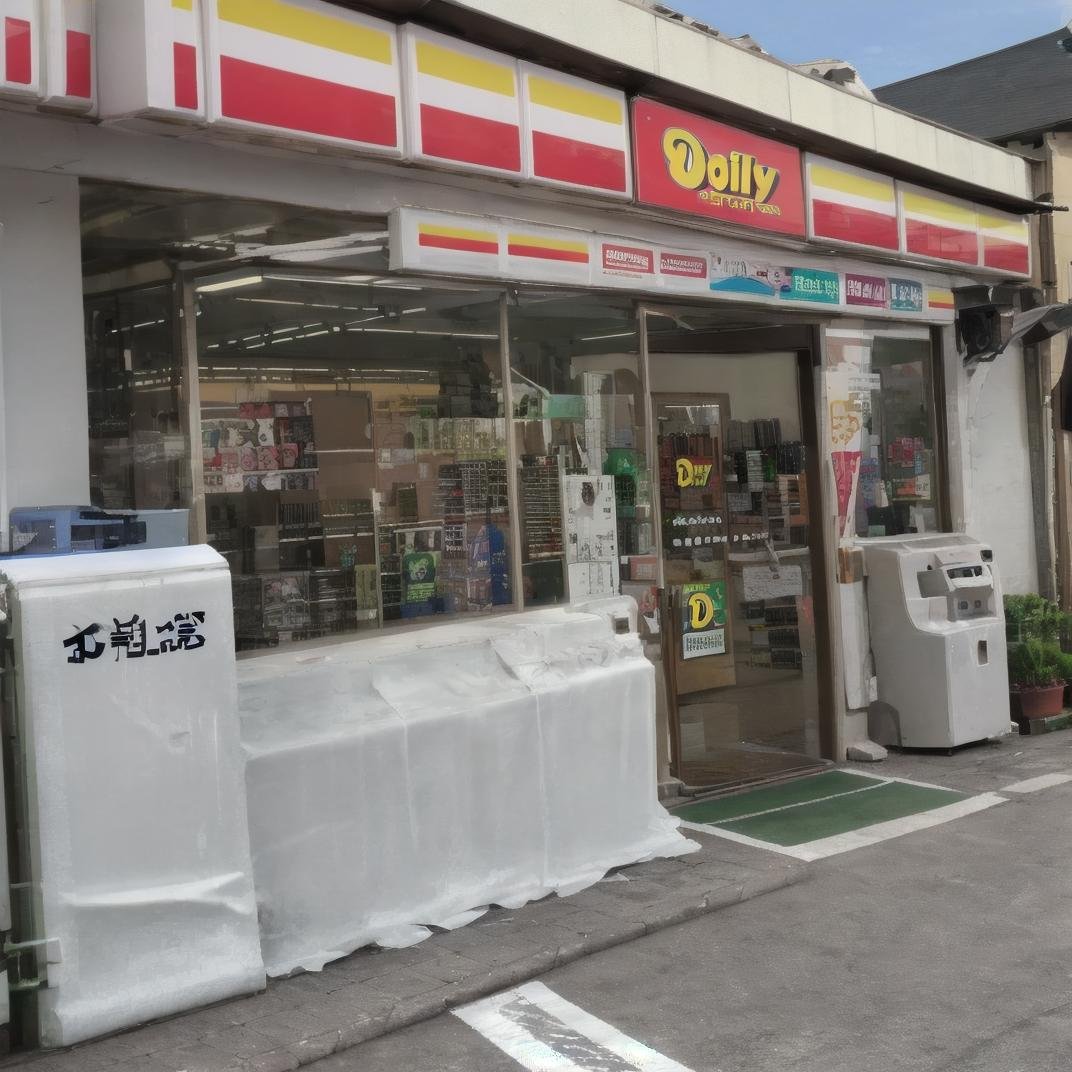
x=949 y=949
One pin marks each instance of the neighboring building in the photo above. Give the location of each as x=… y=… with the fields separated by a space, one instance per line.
x=1021 y=98
x=427 y=321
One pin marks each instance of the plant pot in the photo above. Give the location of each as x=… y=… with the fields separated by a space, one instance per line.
x=1040 y=702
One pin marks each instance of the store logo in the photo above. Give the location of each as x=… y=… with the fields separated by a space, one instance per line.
x=701 y=610
x=692 y=474
x=718 y=175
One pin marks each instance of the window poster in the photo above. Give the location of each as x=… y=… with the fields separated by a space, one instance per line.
x=703 y=619
x=590 y=528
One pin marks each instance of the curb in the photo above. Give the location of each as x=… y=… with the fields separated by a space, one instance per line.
x=416 y=1010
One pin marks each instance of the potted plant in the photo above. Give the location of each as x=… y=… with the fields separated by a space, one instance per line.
x=1064 y=668
x=1036 y=685
x=1032 y=617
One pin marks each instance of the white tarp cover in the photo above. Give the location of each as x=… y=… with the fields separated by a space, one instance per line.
x=412 y=780
x=140 y=855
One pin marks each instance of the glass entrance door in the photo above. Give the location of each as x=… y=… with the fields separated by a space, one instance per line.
x=740 y=637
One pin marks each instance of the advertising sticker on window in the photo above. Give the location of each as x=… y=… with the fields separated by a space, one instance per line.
x=703 y=619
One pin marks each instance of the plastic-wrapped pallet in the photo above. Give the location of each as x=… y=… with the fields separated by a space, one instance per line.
x=412 y=780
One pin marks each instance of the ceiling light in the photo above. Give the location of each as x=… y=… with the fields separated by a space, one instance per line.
x=599 y=338
x=231 y=284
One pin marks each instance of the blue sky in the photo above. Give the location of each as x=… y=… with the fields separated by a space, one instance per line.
x=887 y=40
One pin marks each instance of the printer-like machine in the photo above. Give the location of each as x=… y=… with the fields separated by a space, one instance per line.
x=938 y=639
x=66 y=530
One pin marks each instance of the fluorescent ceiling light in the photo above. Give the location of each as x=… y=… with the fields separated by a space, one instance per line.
x=600 y=338
x=270 y=301
x=231 y=284
x=324 y=280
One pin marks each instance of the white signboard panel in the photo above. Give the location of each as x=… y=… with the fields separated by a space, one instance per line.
x=516 y=250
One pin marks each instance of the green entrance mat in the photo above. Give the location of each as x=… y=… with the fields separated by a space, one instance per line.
x=821 y=806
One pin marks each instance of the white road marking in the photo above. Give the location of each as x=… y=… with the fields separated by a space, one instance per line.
x=894 y=828
x=545 y=1033
x=867 y=835
x=1033 y=785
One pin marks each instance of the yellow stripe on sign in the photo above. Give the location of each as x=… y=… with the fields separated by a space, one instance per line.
x=309 y=27
x=455 y=66
x=458 y=232
x=919 y=204
x=547 y=243
x=183 y=5
x=1014 y=229
x=942 y=298
x=565 y=98
x=846 y=182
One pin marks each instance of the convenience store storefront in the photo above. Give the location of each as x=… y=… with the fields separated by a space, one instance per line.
x=411 y=380
x=676 y=359
x=382 y=449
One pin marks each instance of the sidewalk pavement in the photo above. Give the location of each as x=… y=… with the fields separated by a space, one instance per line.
x=307 y=1017
x=299 y=1020
x=981 y=768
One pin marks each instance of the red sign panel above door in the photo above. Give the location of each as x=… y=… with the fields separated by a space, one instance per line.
x=695 y=165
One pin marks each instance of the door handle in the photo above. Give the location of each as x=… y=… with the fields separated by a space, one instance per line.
x=769 y=544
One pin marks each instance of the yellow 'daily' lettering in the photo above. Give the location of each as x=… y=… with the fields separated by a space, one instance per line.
x=685 y=158
x=691 y=167
x=692 y=474
x=701 y=610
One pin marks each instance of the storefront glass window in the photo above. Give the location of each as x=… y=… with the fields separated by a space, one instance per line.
x=578 y=423
x=353 y=451
x=138 y=446
x=883 y=430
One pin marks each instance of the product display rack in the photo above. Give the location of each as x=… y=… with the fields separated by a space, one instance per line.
x=541 y=508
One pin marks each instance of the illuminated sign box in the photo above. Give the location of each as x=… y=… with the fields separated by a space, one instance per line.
x=694 y=165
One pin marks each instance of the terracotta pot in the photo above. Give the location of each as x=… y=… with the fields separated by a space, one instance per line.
x=1040 y=702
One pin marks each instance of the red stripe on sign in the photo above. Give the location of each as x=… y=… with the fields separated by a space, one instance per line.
x=18 y=63
x=274 y=98
x=578 y=162
x=469 y=139
x=1008 y=256
x=544 y=253
x=466 y=245
x=943 y=243
x=185 y=59
x=940 y=304
x=846 y=223
x=79 y=64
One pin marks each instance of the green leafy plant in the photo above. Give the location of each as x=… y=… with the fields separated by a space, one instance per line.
x=1035 y=665
x=1064 y=665
x=1031 y=617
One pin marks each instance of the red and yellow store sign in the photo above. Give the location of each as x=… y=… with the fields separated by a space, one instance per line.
x=686 y=162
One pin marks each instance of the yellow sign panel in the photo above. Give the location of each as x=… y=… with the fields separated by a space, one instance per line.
x=693 y=474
